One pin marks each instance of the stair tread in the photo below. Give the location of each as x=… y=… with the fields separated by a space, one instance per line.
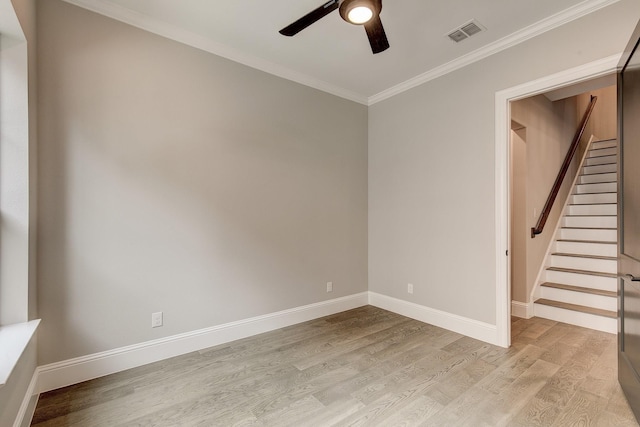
x=607 y=183
x=578 y=271
x=597 y=183
x=595 y=173
x=602 y=192
x=576 y=307
x=607 y=258
x=593 y=192
x=588 y=241
x=592 y=204
x=590 y=228
x=580 y=289
x=587 y=215
x=599 y=157
x=599 y=164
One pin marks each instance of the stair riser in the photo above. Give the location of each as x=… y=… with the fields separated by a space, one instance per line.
x=586 y=280
x=590 y=221
x=599 y=152
x=585 y=199
x=609 y=187
x=587 y=170
x=610 y=209
x=588 y=234
x=596 y=249
x=580 y=298
x=604 y=144
x=597 y=178
x=592 y=161
x=599 y=323
x=590 y=264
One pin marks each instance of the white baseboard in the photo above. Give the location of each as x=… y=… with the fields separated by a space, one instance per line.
x=73 y=371
x=521 y=309
x=462 y=325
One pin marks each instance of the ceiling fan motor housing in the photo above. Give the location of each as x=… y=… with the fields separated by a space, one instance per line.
x=347 y=5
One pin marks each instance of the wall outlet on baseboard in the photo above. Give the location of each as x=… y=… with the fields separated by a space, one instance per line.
x=410 y=288
x=329 y=286
x=156 y=319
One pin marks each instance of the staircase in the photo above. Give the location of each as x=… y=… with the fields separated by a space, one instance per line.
x=579 y=284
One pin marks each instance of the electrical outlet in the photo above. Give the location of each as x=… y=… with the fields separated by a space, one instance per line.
x=156 y=319
x=410 y=288
x=329 y=286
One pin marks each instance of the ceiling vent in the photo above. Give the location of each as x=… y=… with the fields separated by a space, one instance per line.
x=465 y=31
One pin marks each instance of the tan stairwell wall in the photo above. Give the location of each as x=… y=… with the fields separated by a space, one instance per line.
x=550 y=127
x=603 y=123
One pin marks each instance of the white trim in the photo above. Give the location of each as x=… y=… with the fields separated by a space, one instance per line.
x=462 y=325
x=584 y=72
x=502 y=223
x=73 y=371
x=29 y=403
x=521 y=309
x=173 y=32
x=13 y=340
x=520 y=36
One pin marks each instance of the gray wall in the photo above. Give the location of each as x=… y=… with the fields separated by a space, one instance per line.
x=431 y=167
x=174 y=180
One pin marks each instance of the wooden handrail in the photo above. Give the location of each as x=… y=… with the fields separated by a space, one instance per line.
x=544 y=215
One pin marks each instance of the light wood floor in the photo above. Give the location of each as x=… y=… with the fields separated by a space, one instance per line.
x=364 y=367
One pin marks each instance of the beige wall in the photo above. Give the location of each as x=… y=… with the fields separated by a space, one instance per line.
x=550 y=128
x=603 y=123
x=174 y=180
x=431 y=167
x=520 y=230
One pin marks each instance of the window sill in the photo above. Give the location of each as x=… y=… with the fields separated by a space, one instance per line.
x=13 y=340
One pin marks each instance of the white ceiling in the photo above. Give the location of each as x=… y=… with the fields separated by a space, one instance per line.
x=335 y=56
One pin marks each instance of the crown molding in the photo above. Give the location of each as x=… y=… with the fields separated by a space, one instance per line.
x=172 y=32
x=520 y=36
x=175 y=33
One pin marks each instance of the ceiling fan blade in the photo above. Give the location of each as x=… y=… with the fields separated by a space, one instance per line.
x=310 y=18
x=377 y=36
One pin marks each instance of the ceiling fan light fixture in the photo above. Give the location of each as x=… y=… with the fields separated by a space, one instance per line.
x=360 y=15
x=358 y=12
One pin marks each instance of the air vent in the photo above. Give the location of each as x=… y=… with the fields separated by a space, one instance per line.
x=465 y=31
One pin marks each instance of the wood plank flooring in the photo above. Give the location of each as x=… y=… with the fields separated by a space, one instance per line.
x=363 y=367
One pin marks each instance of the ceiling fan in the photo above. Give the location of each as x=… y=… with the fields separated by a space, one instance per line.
x=357 y=12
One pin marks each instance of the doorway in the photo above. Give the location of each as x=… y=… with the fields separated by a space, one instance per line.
x=576 y=76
